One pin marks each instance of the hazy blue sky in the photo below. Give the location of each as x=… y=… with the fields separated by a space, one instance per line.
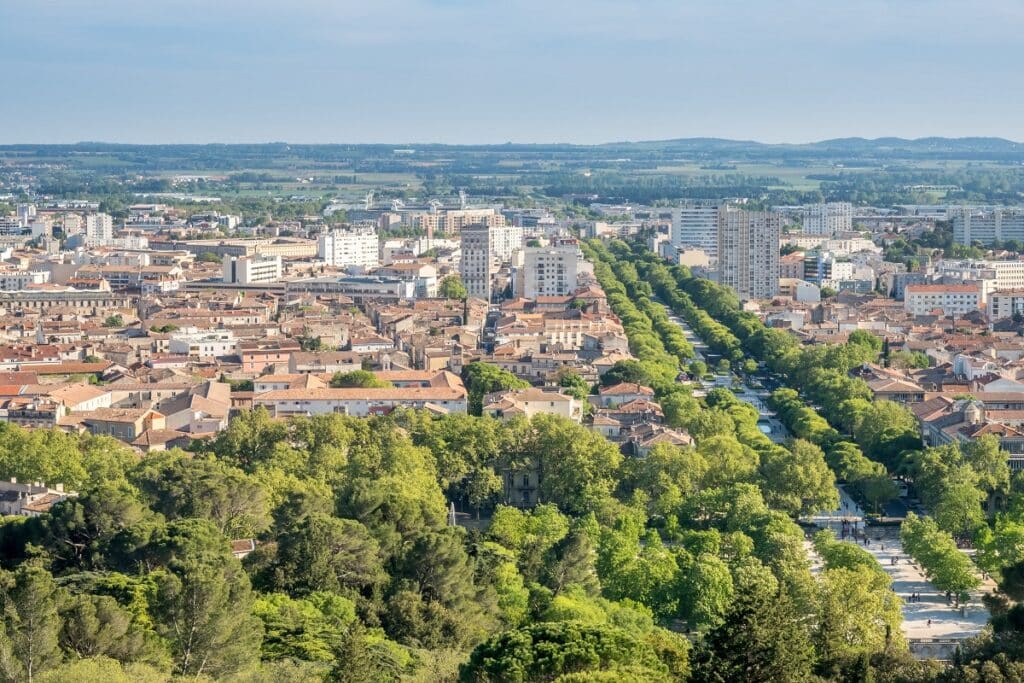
x=507 y=70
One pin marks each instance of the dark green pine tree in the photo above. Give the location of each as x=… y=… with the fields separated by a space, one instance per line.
x=761 y=639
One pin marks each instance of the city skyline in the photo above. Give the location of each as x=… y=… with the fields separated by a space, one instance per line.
x=454 y=71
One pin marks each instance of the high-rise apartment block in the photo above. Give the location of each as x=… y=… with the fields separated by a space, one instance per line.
x=696 y=225
x=987 y=226
x=551 y=270
x=828 y=219
x=505 y=239
x=357 y=247
x=748 y=252
x=476 y=265
x=99 y=229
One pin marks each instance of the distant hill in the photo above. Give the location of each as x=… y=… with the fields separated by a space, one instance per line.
x=854 y=151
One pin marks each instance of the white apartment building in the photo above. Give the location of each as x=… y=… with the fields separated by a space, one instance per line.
x=828 y=219
x=1005 y=304
x=356 y=247
x=551 y=270
x=251 y=270
x=505 y=239
x=748 y=252
x=995 y=275
x=204 y=344
x=476 y=263
x=987 y=226
x=951 y=300
x=99 y=229
x=696 y=225
x=17 y=280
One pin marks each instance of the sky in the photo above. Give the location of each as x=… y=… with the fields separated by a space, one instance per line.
x=495 y=71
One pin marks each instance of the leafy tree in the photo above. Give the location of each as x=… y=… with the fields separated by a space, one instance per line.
x=250 y=439
x=529 y=534
x=29 y=641
x=309 y=629
x=579 y=466
x=361 y=379
x=575 y=385
x=943 y=563
x=102 y=670
x=203 y=608
x=627 y=371
x=208 y=257
x=546 y=651
x=179 y=486
x=451 y=287
x=707 y=591
x=323 y=553
x=867 y=340
x=797 y=480
x=483 y=378
x=858 y=613
x=97 y=626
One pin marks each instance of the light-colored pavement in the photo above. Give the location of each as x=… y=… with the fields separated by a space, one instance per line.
x=930 y=615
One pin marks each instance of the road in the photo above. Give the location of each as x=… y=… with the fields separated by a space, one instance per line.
x=931 y=625
x=756 y=397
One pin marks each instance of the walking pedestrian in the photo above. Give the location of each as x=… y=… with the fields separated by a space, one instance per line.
x=929 y=623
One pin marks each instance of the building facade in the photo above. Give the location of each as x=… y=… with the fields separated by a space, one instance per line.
x=358 y=247
x=99 y=229
x=251 y=270
x=696 y=225
x=987 y=226
x=476 y=266
x=951 y=300
x=828 y=219
x=551 y=270
x=748 y=252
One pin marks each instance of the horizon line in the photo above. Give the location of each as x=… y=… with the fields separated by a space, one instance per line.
x=511 y=143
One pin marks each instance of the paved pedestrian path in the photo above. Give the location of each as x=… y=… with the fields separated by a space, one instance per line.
x=928 y=616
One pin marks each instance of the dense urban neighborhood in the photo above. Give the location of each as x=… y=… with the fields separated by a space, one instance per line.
x=332 y=413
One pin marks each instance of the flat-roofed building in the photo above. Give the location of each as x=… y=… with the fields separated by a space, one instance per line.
x=950 y=300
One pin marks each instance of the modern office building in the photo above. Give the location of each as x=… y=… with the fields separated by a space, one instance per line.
x=987 y=226
x=696 y=225
x=748 y=252
x=357 y=247
x=476 y=264
x=828 y=219
x=252 y=270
